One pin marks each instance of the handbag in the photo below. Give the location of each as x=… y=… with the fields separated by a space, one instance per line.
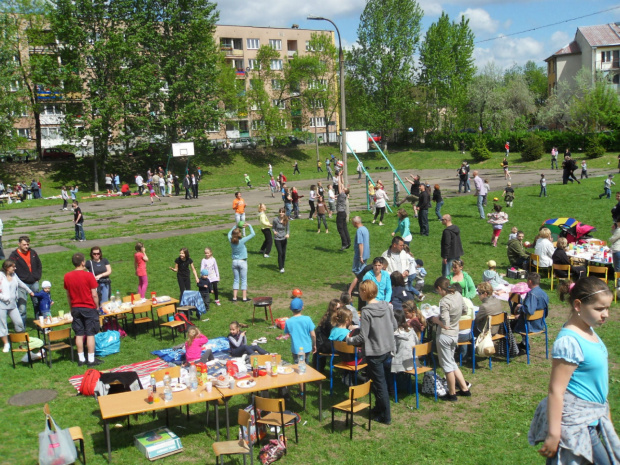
x=56 y=447
x=484 y=341
x=512 y=343
x=430 y=381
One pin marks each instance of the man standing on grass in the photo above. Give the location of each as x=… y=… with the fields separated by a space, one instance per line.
x=28 y=269
x=78 y=222
x=341 y=215
x=187 y=184
x=424 y=204
x=361 y=245
x=81 y=287
x=451 y=246
x=140 y=184
x=481 y=192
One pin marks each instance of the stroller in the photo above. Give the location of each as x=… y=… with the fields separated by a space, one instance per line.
x=577 y=233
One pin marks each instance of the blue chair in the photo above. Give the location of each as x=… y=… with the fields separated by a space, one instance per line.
x=419 y=350
x=538 y=315
x=343 y=348
x=463 y=325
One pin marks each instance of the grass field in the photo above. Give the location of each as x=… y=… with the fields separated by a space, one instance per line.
x=488 y=428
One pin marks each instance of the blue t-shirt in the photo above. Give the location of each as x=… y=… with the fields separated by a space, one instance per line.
x=590 y=381
x=338 y=334
x=299 y=327
x=362 y=236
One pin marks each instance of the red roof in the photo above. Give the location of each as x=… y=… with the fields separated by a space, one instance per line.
x=602 y=35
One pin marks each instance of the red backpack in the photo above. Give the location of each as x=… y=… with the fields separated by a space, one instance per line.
x=89 y=381
x=182 y=317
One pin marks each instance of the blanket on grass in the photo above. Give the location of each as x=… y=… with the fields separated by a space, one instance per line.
x=144 y=370
x=176 y=354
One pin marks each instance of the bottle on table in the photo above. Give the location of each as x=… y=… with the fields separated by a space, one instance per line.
x=274 y=365
x=255 y=367
x=301 y=361
x=153 y=384
x=167 y=379
x=193 y=378
x=119 y=299
x=167 y=393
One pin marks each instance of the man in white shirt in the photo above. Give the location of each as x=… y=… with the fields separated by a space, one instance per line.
x=140 y=183
x=398 y=259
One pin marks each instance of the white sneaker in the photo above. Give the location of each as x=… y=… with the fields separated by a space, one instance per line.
x=266 y=256
x=7 y=348
x=217 y=302
x=282 y=270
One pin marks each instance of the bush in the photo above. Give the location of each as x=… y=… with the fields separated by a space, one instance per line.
x=479 y=149
x=532 y=148
x=594 y=148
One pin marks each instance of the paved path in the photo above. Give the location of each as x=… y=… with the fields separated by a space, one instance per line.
x=217 y=202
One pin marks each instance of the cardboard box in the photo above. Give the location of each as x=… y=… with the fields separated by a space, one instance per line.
x=515 y=273
x=158 y=443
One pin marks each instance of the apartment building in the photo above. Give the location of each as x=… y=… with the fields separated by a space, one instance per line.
x=595 y=48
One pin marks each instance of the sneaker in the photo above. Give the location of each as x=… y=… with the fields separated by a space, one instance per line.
x=94 y=363
x=421 y=297
x=282 y=270
x=80 y=364
x=7 y=348
x=266 y=256
x=217 y=302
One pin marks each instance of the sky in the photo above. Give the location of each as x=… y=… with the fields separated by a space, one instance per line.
x=487 y=18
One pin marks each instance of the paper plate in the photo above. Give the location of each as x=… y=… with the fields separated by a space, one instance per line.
x=246 y=383
x=177 y=387
x=285 y=370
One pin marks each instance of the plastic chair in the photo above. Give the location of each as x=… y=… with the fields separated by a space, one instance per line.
x=141 y=315
x=276 y=415
x=536 y=258
x=352 y=406
x=559 y=268
x=463 y=325
x=599 y=270
x=538 y=315
x=343 y=348
x=165 y=312
x=20 y=338
x=238 y=447
x=75 y=431
x=420 y=350
x=58 y=335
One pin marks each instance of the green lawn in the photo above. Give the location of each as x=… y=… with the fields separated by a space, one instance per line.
x=488 y=428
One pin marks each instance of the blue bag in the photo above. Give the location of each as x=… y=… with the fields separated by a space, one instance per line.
x=107 y=343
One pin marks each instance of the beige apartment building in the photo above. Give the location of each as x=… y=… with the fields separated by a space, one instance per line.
x=240 y=45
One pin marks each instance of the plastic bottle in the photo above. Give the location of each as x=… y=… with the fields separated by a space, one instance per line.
x=119 y=299
x=193 y=378
x=167 y=379
x=167 y=393
x=255 y=368
x=113 y=300
x=301 y=361
x=153 y=384
x=274 y=365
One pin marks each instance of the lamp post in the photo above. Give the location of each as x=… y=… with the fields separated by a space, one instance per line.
x=343 y=115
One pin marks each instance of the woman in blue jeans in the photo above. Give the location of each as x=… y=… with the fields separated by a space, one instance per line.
x=240 y=259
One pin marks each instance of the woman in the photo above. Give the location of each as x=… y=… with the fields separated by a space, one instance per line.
x=544 y=248
x=376 y=336
x=265 y=227
x=381 y=278
x=281 y=229
x=182 y=265
x=9 y=282
x=438 y=199
x=463 y=278
x=400 y=294
x=490 y=306
x=311 y=200
x=403 y=226
x=322 y=331
x=380 y=201
x=451 y=308
x=560 y=257
x=573 y=420
x=139 y=261
x=101 y=269
x=240 y=260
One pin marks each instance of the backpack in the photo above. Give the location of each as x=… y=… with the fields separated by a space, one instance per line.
x=271 y=452
x=182 y=317
x=430 y=380
x=89 y=381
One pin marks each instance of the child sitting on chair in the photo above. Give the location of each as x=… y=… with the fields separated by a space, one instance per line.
x=194 y=345
x=238 y=343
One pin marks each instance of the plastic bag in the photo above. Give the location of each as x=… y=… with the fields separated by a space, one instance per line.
x=56 y=446
x=107 y=343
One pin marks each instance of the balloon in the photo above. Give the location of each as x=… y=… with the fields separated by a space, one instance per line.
x=410 y=129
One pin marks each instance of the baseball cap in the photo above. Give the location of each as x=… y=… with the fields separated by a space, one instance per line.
x=46 y=284
x=491 y=264
x=297 y=304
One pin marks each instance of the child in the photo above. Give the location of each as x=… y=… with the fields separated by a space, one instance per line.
x=152 y=192
x=45 y=299
x=506 y=172
x=239 y=343
x=139 y=260
x=321 y=211
x=488 y=189
x=65 y=197
x=210 y=264
x=575 y=415
x=182 y=264
x=509 y=194
x=246 y=178
x=193 y=347
x=345 y=300
x=415 y=318
x=543 y=186
x=607 y=187
x=412 y=265
x=497 y=218
x=492 y=277
x=584 y=169
x=513 y=233
x=404 y=338
x=73 y=192
x=301 y=329
x=204 y=287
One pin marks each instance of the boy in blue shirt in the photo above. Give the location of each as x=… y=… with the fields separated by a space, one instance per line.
x=301 y=329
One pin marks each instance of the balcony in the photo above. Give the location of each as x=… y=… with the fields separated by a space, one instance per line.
x=230 y=51
x=291 y=53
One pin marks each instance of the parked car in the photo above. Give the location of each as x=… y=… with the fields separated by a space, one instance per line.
x=288 y=141
x=244 y=143
x=56 y=152
x=374 y=136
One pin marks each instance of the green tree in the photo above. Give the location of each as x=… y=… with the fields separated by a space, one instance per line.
x=447 y=69
x=594 y=105
x=11 y=93
x=383 y=63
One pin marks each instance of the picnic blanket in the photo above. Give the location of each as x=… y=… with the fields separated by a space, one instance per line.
x=144 y=370
x=177 y=354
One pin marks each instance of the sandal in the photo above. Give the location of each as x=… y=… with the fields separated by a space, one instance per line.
x=282 y=337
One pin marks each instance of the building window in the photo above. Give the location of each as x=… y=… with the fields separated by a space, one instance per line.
x=316 y=103
x=25 y=133
x=317 y=122
x=253 y=44
x=213 y=127
x=317 y=84
x=257 y=124
x=253 y=64
x=51 y=110
x=50 y=133
x=616 y=79
x=281 y=104
x=606 y=56
x=276 y=65
x=275 y=44
x=308 y=48
x=237 y=64
x=14 y=86
x=283 y=123
x=276 y=84
x=291 y=45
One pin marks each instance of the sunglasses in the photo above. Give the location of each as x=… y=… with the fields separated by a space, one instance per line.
x=96 y=253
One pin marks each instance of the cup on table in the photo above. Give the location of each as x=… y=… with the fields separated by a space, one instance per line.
x=209 y=386
x=232 y=383
x=61 y=314
x=41 y=320
x=268 y=367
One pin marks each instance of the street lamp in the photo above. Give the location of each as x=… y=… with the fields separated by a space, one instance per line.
x=343 y=115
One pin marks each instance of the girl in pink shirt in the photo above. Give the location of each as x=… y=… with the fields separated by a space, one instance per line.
x=140 y=260
x=193 y=346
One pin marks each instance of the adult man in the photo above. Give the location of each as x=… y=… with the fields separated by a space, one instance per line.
x=296 y=167
x=398 y=259
x=463 y=174
x=341 y=215
x=81 y=287
x=187 y=184
x=414 y=196
x=536 y=299
x=568 y=169
x=29 y=270
x=451 y=247
x=481 y=192
x=361 y=245
x=424 y=204
x=194 y=186
x=78 y=222
x=517 y=256
x=140 y=184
